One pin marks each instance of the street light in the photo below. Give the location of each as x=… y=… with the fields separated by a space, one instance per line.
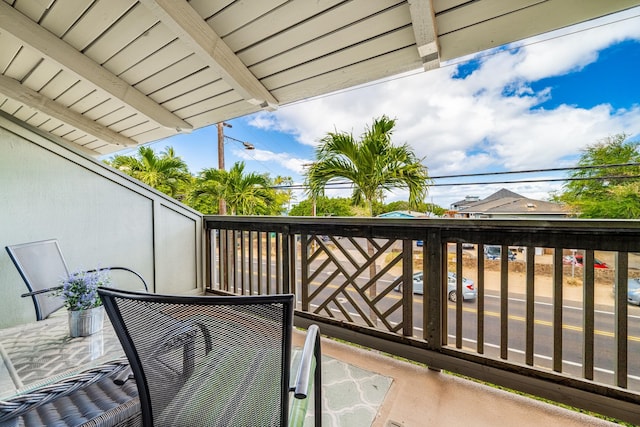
x=246 y=145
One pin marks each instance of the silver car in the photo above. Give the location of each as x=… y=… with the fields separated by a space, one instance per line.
x=468 y=287
x=633 y=291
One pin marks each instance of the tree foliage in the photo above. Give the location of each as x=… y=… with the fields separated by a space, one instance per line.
x=283 y=195
x=325 y=206
x=595 y=191
x=373 y=165
x=165 y=172
x=244 y=193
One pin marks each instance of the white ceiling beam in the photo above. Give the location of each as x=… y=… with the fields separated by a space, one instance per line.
x=194 y=31
x=68 y=58
x=29 y=97
x=424 y=28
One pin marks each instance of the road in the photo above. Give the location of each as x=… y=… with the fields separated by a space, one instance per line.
x=604 y=345
x=572 y=331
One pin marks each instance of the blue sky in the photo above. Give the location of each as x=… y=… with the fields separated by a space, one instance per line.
x=534 y=104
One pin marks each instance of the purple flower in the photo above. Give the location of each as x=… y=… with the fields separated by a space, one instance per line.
x=80 y=289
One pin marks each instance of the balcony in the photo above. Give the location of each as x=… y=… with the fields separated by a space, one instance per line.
x=580 y=350
x=540 y=323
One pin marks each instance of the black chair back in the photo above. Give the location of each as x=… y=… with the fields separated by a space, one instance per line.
x=206 y=360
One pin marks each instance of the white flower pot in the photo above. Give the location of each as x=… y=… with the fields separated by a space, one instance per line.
x=85 y=322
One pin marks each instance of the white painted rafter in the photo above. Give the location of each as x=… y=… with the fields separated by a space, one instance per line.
x=14 y=90
x=192 y=30
x=424 y=29
x=69 y=59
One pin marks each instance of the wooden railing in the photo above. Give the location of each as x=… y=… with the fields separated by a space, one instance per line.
x=547 y=319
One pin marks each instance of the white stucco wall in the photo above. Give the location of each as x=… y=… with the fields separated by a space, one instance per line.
x=100 y=217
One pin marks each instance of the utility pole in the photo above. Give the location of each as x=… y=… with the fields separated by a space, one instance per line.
x=224 y=243
x=222 y=210
x=222 y=205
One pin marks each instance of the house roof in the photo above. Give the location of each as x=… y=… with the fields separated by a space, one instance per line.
x=108 y=74
x=508 y=202
x=465 y=202
x=503 y=193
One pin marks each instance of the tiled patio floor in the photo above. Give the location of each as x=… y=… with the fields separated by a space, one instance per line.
x=367 y=389
x=352 y=395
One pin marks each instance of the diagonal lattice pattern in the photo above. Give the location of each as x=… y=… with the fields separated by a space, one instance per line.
x=353 y=279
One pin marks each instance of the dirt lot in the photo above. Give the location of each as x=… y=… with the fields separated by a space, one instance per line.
x=572 y=276
x=543 y=287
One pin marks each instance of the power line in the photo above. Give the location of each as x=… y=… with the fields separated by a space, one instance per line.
x=348 y=185
x=599 y=178
x=537 y=170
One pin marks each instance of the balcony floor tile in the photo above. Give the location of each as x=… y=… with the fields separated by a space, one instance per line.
x=407 y=395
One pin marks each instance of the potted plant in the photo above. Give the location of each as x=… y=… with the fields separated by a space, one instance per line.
x=80 y=294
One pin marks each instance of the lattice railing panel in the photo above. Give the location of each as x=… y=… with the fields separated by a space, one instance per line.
x=353 y=279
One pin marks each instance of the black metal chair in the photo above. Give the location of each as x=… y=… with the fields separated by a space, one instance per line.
x=215 y=360
x=42 y=266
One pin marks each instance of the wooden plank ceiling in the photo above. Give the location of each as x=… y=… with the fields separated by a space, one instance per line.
x=107 y=74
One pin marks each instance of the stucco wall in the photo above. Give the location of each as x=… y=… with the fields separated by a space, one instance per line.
x=100 y=217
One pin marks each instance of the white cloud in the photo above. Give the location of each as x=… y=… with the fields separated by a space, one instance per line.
x=486 y=121
x=265 y=157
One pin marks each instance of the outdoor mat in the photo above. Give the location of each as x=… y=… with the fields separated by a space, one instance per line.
x=351 y=395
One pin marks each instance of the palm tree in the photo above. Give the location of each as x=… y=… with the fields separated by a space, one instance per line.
x=373 y=165
x=166 y=172
x=245 y=194
x=283 y=193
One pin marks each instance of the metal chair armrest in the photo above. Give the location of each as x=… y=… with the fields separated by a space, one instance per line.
x=56 y=288
x=146 y=288
x=309 y=361
x=310 y=351
x=41 y=291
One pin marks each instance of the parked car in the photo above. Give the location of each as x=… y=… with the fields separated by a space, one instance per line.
x=633 y=291
x=468 y=287
x=578 y=260
x=493 y=252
